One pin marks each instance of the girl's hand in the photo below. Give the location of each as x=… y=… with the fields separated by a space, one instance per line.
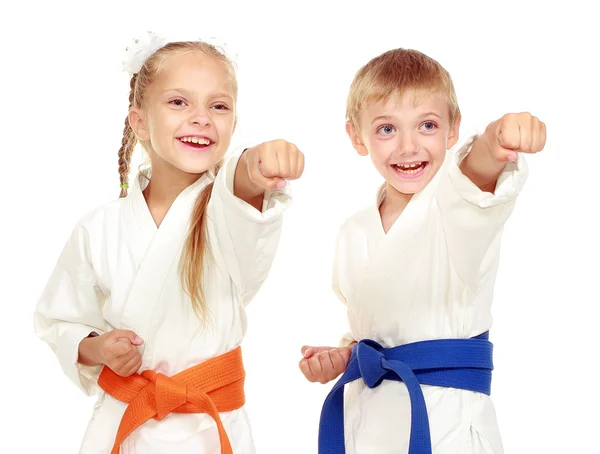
x=271 y=163
x=323 y=364
x=116 y=349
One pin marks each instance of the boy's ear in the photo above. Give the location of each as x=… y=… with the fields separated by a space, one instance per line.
x=453 y=135
x=356 y=140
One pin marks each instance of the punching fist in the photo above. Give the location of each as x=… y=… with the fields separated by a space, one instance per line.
x=323 y=364
x=117 y=350
x=271 y=163
x=515 y=133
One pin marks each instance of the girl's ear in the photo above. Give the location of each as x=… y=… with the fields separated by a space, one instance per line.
x=136 y=121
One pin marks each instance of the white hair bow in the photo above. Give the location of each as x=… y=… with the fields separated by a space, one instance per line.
x=141 y=48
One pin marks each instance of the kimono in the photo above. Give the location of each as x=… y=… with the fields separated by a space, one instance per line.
x=119 y=271
x=430 y=277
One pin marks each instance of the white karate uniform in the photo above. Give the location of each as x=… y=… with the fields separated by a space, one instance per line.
x=119 y=271
x=430 y=277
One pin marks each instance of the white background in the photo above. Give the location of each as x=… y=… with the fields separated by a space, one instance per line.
x=64 y=100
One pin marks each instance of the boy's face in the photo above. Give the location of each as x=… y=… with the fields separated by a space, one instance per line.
x=407 y=140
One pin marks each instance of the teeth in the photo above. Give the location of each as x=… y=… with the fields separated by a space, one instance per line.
x=198 y=140
x=413 y=165
x=409 y=168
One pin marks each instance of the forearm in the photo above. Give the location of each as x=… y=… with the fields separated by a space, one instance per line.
x=480 y=166
x=87 y=351
x=244 y=188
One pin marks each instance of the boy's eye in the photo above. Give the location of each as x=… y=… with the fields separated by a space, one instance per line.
x=429 y=126
x=177 y=102
x=386 y=129
x=220 y=106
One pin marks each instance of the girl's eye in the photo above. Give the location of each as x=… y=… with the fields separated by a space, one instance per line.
x=220 y=107
x=386 y=129
x=429 y=126
x=177 y=102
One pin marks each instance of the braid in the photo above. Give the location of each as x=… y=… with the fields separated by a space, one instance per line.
x=127 y=144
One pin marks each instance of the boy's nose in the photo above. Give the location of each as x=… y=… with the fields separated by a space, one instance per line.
x=408 y=145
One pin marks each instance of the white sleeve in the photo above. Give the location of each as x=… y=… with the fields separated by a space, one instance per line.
x=70 y=309
x=474 y=220
x=247 y=238
x=338 y=258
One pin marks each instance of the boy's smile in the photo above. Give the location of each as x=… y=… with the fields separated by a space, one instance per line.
x=407 y=138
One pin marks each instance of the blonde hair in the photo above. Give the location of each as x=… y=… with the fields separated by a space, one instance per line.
x=192 y=263
x=395 y=72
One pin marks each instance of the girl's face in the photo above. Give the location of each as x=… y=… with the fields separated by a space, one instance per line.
x=188 y=116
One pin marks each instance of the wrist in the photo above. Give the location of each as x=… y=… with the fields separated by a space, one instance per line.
x=480 y=165
x=243 y=186
x=87 y=351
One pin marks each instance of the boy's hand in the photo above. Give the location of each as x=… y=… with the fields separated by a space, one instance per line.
x=323 y=364
x=515 y=133
x=501 y=142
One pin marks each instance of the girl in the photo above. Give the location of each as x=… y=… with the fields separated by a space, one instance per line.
x=158 y=281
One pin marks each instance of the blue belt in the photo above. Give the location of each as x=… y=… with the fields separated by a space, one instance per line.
x=450 y=363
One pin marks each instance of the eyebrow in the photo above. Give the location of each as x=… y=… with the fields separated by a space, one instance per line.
x=183 y=90
x=222 y=95
x=187 y=92
x=430 y=113
x=381 y=117
x=389 y=117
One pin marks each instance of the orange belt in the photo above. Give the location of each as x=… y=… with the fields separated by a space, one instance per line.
x=214 y=386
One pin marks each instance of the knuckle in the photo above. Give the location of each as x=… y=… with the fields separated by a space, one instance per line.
x=268 y=172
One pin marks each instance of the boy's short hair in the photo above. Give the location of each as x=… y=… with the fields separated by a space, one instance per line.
x=395 y=72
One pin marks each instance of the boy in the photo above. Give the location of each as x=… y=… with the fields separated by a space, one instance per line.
x=420 y=265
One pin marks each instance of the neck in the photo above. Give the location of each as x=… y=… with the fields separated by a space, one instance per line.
x=395 y=201
x=392 y=206
x=166 y=183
